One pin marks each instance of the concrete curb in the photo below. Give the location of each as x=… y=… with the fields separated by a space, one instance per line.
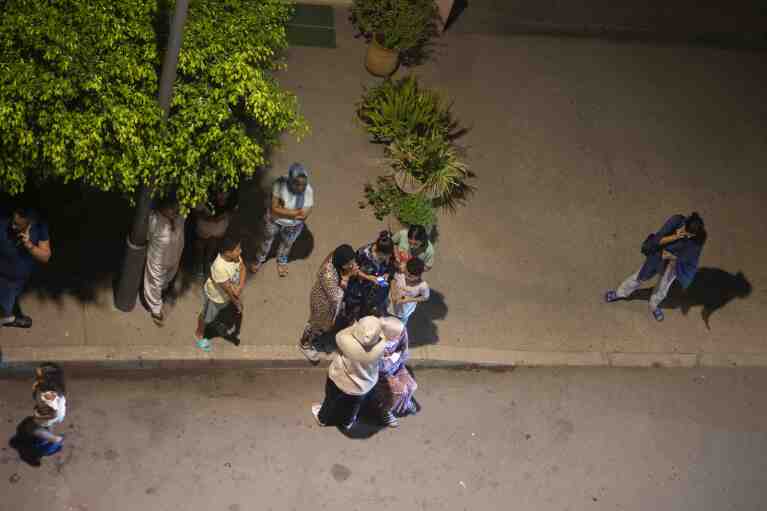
x=281 y=356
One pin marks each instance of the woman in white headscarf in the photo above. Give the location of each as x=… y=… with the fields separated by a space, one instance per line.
x=292 y=203
x=352 y=375
x=395 y=388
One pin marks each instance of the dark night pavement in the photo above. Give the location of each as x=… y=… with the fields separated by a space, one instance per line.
x=531 y=439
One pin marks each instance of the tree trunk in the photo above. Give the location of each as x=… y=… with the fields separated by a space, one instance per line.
x=135 y=250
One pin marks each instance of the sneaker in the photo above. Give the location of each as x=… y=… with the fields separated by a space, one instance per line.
x=203 y=344
x=390 y=420
x=316 y=412
x=311 y=354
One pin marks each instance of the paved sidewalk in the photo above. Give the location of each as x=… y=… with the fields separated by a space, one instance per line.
x=581 y=148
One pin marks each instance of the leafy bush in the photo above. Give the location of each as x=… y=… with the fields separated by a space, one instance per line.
x=398 y=109
x=415 y=209
x=396 y=24
x=430 y=166
x=387 y=199
x=78 y=94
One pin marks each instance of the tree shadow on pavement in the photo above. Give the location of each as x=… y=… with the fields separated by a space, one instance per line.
x=422 y=328
x=712 y=289
x=87 y=230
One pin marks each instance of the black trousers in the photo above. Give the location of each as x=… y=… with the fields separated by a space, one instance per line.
x=339 y=409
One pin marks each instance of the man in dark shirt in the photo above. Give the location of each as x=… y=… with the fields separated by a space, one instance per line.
x=673 y=253
x=24 y=244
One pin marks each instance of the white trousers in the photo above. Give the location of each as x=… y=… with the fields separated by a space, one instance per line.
x=156 y=280
x=632 y=283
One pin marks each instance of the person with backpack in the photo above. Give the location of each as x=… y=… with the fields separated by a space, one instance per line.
x=673 y=253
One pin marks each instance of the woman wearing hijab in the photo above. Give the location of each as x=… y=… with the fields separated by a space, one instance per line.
x=292 y=202
x=396 y=386
x=326 y=297
x=352 y=374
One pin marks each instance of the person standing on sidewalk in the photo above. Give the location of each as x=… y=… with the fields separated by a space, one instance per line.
x=165 y=244
x=673 y=252
x=35 y=437
x=367 y=292
x=413 y=242
x=408 y=289
x=24 y=244
x=211 y=221
x=352 y=374
x=222 y=289
x=395 y=388
x=327 y=298
x=292 y=202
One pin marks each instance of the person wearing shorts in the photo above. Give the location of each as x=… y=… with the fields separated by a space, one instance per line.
x=222 y=288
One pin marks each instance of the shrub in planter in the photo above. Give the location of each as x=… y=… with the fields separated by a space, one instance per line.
x=397 y=109
x=430 y=166
x=396 y=24
x=387 y=199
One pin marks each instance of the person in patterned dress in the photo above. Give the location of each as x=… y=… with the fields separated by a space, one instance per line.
x=326 y=298
x=395 y=388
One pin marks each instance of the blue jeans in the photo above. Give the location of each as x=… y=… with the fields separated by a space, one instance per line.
x=9 y=293
x=288 y=236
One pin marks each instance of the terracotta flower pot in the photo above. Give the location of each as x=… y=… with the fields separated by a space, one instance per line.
x=381 y=61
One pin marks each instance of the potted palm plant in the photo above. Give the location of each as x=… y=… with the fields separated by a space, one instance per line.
x=392 y=27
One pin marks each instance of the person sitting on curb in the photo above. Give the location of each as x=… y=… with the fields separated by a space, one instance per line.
x=35 y=437
x=24 y=244
x=223 y=287
x=673 y=252
x=292 y=202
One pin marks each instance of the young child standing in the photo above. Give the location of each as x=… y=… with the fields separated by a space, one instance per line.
x=224 y=286
x=408 y=290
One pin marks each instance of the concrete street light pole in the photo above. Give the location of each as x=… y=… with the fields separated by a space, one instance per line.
x=135 y=250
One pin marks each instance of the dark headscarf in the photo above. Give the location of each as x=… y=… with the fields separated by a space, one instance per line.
x=342 y=255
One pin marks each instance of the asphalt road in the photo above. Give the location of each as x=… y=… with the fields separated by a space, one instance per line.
x=530 y=439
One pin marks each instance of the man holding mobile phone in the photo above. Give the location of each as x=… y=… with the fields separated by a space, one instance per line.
x=24 y=244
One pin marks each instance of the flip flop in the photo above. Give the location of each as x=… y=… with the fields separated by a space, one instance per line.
x=203 y=344
x=657 y=314
x=282 y=270
x=254 y=267
x=611 y=296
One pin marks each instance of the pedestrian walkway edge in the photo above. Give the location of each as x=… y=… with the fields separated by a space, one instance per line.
x=282 y=356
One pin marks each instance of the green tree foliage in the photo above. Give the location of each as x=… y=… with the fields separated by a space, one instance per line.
x=79 y=83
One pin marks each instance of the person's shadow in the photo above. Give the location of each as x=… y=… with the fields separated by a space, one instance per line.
x=23 y=443
x=422 y=328
x=712 y=289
